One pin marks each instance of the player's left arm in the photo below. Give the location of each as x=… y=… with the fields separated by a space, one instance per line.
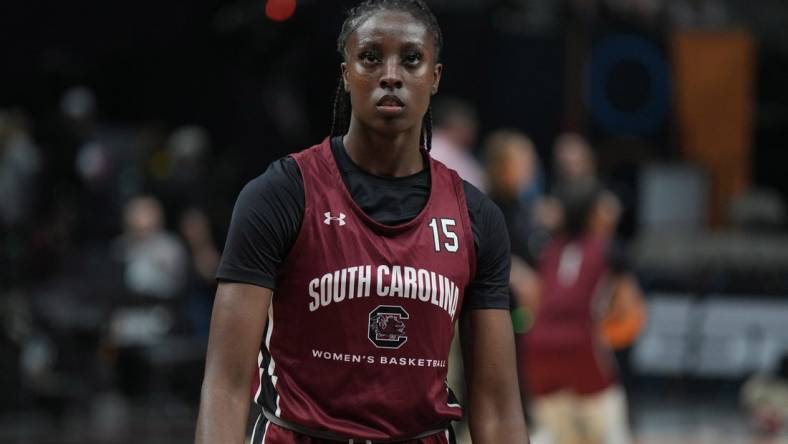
x=493 y=397
x=495 y=412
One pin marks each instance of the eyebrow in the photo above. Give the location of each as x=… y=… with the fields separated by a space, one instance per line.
x=368 y=42
x=413 y=45
x=372 y=42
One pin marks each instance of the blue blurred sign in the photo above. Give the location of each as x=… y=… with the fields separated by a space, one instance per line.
x=650 y=113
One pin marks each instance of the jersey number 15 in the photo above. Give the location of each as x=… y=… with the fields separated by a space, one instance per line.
x=446 y=225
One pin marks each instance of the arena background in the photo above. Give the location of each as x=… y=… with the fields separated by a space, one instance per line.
x=685 y=103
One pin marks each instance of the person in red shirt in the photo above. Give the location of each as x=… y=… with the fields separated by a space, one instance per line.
x=348 y=265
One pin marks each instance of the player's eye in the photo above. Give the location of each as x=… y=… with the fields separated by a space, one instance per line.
x=412 y=58
x=369 y=57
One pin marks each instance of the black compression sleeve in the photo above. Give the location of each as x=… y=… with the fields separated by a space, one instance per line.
x=264 y=225
x=490 y=287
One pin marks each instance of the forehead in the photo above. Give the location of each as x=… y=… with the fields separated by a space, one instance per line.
x=397 y=25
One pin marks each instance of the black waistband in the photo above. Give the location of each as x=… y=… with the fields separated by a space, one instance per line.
x=324 y=434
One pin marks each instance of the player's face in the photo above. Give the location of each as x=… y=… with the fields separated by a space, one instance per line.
x=391 y=71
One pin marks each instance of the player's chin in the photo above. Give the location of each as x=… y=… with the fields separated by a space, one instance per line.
x=392 y=126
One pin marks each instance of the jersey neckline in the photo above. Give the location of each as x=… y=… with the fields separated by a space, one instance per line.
x=334 y=167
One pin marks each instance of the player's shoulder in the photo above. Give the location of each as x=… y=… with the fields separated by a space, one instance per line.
x=281 y=175
x=487 y=220
x=479 y=204
x=286 y=170
x=317 y=152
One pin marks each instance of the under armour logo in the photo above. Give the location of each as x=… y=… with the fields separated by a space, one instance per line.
x=340 y=220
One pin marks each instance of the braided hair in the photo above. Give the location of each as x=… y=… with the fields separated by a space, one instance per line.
x=340 y=122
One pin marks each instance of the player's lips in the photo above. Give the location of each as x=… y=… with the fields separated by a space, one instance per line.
x=390 y=105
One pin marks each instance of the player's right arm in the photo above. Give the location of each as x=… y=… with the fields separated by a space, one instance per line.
x=239 y=315
x=265 y=222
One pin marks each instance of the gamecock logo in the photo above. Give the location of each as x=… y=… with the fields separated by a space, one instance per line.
x=387 y=326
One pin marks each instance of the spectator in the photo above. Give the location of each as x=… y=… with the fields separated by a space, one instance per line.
x=512 y=166
x=180 y=172
x=155 y=261
x=453 y=138
x=766 y=399
x=20 y=162
x=572 y=159
x=195 y=229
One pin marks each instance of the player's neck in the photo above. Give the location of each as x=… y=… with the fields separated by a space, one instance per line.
x=383 y=155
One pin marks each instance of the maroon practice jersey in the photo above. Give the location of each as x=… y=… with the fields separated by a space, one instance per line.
x=563 y=350
x=359 y=327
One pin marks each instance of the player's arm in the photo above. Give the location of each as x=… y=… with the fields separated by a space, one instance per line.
x=265 y=221
x=239 y=315
x=625 y=314
x=493 y=397
x=495 y=412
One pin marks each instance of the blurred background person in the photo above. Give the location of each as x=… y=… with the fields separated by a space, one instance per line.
x=20 y=168
x=180 y=172
x=625 y=315
x=513 y=168
x=765 y=397
x=154 y=264
x=200 y=287
x=573 y=159
x=85 y=166
x=680 y=108
x=454 y=133
x=20 y=163
x=512 y=164
x=568 y=371
x=155 y=261
x=453 y=138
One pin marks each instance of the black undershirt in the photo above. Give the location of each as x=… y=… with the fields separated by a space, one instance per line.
x=388 y=200
x=268 y=213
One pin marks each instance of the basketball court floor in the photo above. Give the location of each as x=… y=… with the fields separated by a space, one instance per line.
x=113 y=420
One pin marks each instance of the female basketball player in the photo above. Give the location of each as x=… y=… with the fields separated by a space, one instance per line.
x=568 y=370
x=352 y=260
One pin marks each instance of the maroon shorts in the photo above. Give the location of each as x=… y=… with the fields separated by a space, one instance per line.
x=584 y=371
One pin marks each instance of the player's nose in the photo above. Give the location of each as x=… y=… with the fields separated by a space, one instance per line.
x=391 y=78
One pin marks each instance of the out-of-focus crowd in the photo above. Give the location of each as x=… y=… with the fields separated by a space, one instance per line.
x=109 y=252
x=107 y=255
x=110 y=236
x=574 y=297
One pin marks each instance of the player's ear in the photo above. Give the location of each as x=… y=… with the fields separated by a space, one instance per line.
x=437 y=71
x=343 y=67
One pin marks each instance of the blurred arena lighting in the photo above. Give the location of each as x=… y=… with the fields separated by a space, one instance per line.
x=280 y=10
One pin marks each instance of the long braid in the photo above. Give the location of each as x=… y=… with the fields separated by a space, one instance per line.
x=427 y=129
x=340 y=119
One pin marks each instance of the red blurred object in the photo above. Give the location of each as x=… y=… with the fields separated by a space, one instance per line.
x=280 y=10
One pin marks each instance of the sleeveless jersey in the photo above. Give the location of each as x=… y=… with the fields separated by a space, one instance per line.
x=360 y=325
x=563 y=349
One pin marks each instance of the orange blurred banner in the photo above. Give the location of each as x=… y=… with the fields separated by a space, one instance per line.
x=714 y=90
